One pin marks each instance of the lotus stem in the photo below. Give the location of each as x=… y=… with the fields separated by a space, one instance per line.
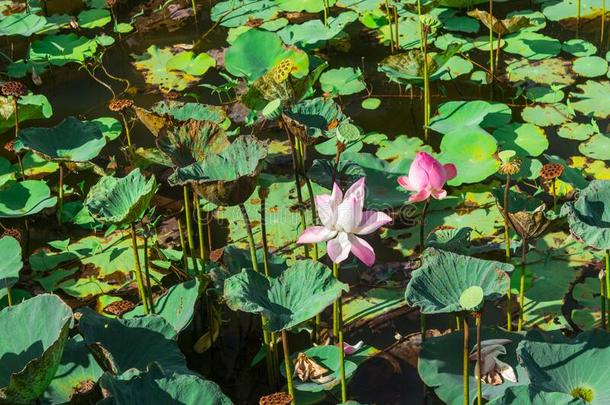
x=419 y=26
x=297 y=181
x=607 y=276
x=208 y=230
x=16 y=113
x=325 y=13
x=509 y=315
x=498 y=47
x=478 y=316
x=602 y=295
x=8 y=293
x=149 y=294
x=426 y=88
x=138 y=270
x=314 y=215
x=189 y=228
x=183 y=246
x=202 y=249
x=60 y=199
x=338 y=327
x=127 y=134
x=396 y=40
x=466 y=392
x=522 y=285
x=603 y=25
x=336 y=305
x=577 y=18
x=194 y=7
x=389 y=17
x=287 y=366
x=422 y=226
x=491 y=39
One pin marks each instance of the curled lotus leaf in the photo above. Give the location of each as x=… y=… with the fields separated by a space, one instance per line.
x=120 y=201
x=23 y=198
x=30 y=355
x=313 y=118
x=529 y=224
x=408 y=67
x=589 y=215
x=71 y=140
x=227 y=178
x=299 y=293
x=436 y=287
x=501 y=27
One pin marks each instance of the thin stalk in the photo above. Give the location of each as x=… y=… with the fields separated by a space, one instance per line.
x=314 y=215
x=326 y=13
x=389 y=17
x=151 y=302
x=8 y=293
x=602 y=295
x=554 y=188
x=466 y=392
x=608 y=288
x=497 y=63
x=60 y=199
x=297 y=181
x=194 y=7
x=426 y=89
x=138 y=270
x=209 y=230
x=202 y=249
x=420 y=31
x=287 y=366
x=509 y=315
x=577 y=18
x=16 y=113
x=522 y=285
x=422 y=228
x=479 y=381
x=342 y=352
x=491 y=39
x=127 y=134
x=603 y=25
x=183 y=246
x=336 y=305
x=396 y=40
x=189 y=228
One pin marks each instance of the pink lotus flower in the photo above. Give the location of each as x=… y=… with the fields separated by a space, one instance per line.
x=427 y=177
x=342 y=219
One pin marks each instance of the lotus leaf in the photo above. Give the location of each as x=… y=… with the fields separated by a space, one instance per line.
x=70 y=141
x=577 y=131
x=190 y=111
x=579 y=47
x=62 y=49
x=10 y=251
x=545 y=115
x=436 y=287
x=567 y=10
x=94 y=18
x=589 y=215
x=187 y=144
x=547 y=71
x=311 y=6
x=502 y=27
x=142 y=341
x=313 y=32
x=470 y=115
x=594 y=99
x=232 y=13
x=525 y=139
x=299 y=293
x=28 y=197
x=23 y=24
x=30 y=355
x=472 y=152
x=31 y=106
x=590 y=66
x=342 y=81
x=532 y=45
x=541 y=94
x=120 y=201
x=596 y=147
x=313 y=118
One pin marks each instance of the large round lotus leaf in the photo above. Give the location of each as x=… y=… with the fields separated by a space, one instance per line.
x=594 y=99
x=161 y=388
x=11 y=264
x=94 y=18
x=546 y=115
x=596 y=147
x=313 y=31
x=77 y=367
x=547 y=71
x=527 y=395
x=301 y=292
x=185 y=144
x=589 y=215
x=470 y=115
x=256 y=51
x=28 y=197
x=122 y=344
x=436 y=287
x=472 y=152
x=579 y=47
x=570 y=366
x=120 y=201
x=525 y=139
x=590 y=66
x=577 y=131
x=314 y=118
x=176 y=306
x=440 y=365
x=568 y=9
x=311 y=6
x=33 y=336
x=71 y=140
x=542 y=94
x=342 y=81
x=21 y=24
x=62 y=49
x=532 y=45
x=327 y=357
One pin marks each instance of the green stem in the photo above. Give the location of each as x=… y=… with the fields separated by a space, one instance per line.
x=522 y=285
x=422 y=226
x=60 y=200
x=183 y=246
x=127 y=135
x=554 y=194
x=479 y=362
x=602 y=295
x=491 y=39
x=342 y=352
x=8 y=293
x=577 y=18
x=389 y=17
x=194 y=7
x=138 y=270
x=287 y=366
x=297 y=181
x=608 y=288
x=426 y=90
x=509 y=315
x=202 y=249
x=603 y=25
x=151 y=302
x=312 y=203
x=189 y=228
x=336 y=305
x=419 y=26
x=466 y=392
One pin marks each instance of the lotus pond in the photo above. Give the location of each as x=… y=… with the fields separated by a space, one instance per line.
x=304 y=202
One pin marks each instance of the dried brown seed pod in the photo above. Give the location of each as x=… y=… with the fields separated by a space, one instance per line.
x=10 y=146
x=119 y=308
x=277 y=398
x=120 y=104
x=13 y=232
x=13 y=88
x=551 y=171
x=171 y=95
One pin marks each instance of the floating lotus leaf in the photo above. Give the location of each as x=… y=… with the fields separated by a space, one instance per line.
x=436 y=287
x=24 y=24
x=472 y=152
x=310 y=6
x=342 y=81
x=547 y=71
x=541 y=94
x=189 y=143
x=10 y=251
x=231 y=13
x=156 y=386
x=94 y=18
x=587 y=294
x=313 y=118
x=227 y=178
x=545 y=115
x=142 y=341
x=568 y=10
x=590 y=66
x=579 y=47
x=70 y=141
x=532 y=45
x=596 y=147
x=440 y=365
x=565 y=366
x=61 y=49
x=31 y=106
x=470 y=116
x=525 y=139
x=314 y=31
x=577 y=131
x=526 y=395
x=76 y=368
x=299 y=293
x=172 y=71
x=255 y=52
x=28 y=197
x=120 y=201
x=502 y=27
x=594 y=99
x=589 y=215
x=408 y=67
x=371 y=103
x=30 y=355
x=400 y=152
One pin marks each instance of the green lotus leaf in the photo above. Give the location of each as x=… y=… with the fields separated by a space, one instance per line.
x=565 y=365
x=30 y=355
x=172 y=71
x=371 y=103
x=589 y=215
x=310 y=6
x=188 y=144
x=400 y=152
x=94 y=18
x=312 y=118
x=525 y=139
x=156 y=386
x=313 y=32
x=436 y=287
x=62 y=49
x=590 y=66
x=342 y=81
x=23 y=24
x=472 y=152
x=10 y=251
x=525 y=395
x=28 y=197
x=31 y=107
x=231 y=13
x=181 y=111
x=541 y=94
x=579 y=47
x=532 y=45
x=568 y=10
x=176 y=306
x=300 y=292
x=70 y=141
x=547 y=71
x=440 y=365
x=587 y=294
x=546 y=115
x=120 y=201
x=594 y=99
x=596 y=147
x=577 y=131
x=470 y=116
x=77 y=367
x=142 y=341
x=255 y=52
